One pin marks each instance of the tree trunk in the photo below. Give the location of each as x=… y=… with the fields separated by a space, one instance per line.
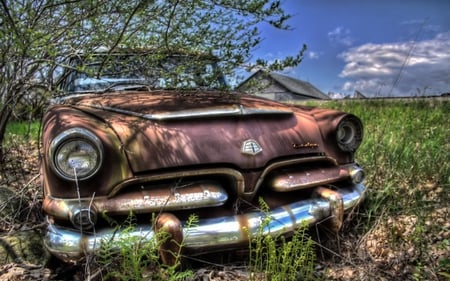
x=5 y=115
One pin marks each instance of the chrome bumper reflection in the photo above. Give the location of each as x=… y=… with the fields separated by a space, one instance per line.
x=208 y=234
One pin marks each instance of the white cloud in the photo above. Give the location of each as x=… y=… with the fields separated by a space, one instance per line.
x=313 y=55
x=341 y=35
x=420 y=67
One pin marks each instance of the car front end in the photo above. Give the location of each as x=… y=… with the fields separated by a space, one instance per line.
x=165 y=155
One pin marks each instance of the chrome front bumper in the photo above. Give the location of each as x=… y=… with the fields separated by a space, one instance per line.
x=225 y=232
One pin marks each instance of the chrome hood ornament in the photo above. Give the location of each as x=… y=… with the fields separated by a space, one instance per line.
x=250 y=147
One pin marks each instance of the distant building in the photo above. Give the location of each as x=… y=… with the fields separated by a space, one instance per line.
x=336 y=96
x=356 y=95
x=279 y=87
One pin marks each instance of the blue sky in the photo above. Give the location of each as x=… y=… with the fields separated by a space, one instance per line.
x=396 y=48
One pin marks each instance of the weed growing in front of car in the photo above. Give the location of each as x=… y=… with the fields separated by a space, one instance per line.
x=137 y=257
x=281 y=258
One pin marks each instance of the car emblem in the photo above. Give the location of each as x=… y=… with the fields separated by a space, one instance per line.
x=250 y=147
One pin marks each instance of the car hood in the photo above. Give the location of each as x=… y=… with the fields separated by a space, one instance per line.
x=160 y=130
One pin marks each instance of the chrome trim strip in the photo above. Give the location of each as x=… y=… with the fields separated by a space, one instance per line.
x=280 y=164
x=234 y=110
x=195 y=195
x=301 y=179
x=208 y=234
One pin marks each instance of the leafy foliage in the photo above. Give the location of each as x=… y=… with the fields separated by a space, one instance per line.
x=38 y=36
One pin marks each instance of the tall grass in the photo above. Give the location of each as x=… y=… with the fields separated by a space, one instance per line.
x=406 y=144
x=406 y=155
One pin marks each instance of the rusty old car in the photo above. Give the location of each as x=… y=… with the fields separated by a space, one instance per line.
x=163 y=139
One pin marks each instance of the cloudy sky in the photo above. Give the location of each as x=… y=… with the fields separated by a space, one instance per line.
x=380 y=48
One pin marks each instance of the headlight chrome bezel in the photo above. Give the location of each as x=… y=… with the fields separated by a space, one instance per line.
x=349 y=133
x=68 y=137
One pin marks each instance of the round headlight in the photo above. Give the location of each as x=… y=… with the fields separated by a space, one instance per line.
x=76 y=154
x=349 y=133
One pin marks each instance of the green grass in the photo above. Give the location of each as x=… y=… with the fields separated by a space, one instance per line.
x=406 y=155
x=22 y=131
x=406 y=143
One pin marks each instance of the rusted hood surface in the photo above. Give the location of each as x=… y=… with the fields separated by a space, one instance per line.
x=164 y=130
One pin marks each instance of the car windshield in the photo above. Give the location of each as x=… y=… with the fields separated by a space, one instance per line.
x=100 y=73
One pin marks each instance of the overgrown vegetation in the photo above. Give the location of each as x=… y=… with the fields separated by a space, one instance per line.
x=131 y=257
x=38 y=37
x=401 y=232
x=404 y=231
x=279 y=258
x=22 y=131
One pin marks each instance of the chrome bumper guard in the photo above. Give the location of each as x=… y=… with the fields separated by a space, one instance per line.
x=225 y=232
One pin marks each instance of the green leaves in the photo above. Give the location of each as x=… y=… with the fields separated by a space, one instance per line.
x=278 y=257
x=45 y=31
x=37 y=37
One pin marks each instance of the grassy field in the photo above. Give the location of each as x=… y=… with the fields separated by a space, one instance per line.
x=402 y=231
